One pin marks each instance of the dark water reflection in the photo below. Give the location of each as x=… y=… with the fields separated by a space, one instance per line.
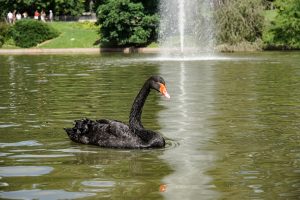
x=232 y=127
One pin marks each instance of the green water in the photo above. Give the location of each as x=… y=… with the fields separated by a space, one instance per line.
x=232 y=127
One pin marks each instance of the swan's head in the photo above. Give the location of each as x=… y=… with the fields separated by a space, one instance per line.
x=159 y=84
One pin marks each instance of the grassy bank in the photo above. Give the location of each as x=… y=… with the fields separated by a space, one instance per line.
x=73 y=35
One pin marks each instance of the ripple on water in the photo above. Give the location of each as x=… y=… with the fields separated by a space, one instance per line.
x=3 y=184
x=171 y=144
x=42 y=81
x=82 y=74
x=9 y=125
x=41 y=156
x=13 y=171
x=4 y=154
x=96 y=183
x=44 y=194
x=71 y=150
x=97 y=186
x=22 y=143
x=57 y=75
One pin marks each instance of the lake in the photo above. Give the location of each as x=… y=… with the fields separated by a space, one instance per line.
x=232 y=127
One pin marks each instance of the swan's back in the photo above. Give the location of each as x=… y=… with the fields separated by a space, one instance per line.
x=104 y=133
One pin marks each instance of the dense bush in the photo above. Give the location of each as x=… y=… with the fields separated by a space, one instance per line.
x=4 y=30
x=29 y=33
x=284 y=32
x=239 y=21
x=124 y=23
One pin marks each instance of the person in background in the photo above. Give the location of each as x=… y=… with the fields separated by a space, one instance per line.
x=50 y=15
x=10 y=17
x=36 y=14
x=18 y=16
x=43 y=16
x=25 y=15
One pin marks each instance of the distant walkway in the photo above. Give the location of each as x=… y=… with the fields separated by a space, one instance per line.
x=33 y=51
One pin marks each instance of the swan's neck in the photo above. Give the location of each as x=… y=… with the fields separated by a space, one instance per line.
x=137 y=108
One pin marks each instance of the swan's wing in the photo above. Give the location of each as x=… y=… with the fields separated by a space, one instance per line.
x=103 y=132
x=118 y=129
x=116 y=135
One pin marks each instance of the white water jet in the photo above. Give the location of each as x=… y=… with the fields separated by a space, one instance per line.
x=181 y=22
x=186 y=28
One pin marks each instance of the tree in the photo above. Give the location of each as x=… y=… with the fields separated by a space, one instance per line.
x=22 y=6
x=284 y=32
x=239 y=21
x=150 y=7
x=124 y=23
x=69 y=7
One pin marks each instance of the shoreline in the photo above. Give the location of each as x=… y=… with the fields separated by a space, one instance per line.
x=127 y=50
x=38 y=51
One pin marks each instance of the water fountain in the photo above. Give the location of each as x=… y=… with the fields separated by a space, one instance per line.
x=186 y=34
x=186 y=29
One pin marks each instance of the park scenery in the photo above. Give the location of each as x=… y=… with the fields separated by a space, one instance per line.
x=233 y=25
x=150 y=99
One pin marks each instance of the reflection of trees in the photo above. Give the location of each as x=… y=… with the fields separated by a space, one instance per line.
x=256 y=122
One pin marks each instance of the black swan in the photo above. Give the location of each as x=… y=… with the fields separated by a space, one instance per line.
x=115 y=134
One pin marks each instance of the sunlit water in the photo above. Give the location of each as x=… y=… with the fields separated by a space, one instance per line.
x=232 y=127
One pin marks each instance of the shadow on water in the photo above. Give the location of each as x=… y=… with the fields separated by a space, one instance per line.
x=42 y=94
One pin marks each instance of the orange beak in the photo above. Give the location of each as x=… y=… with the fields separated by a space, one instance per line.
x=163 y=90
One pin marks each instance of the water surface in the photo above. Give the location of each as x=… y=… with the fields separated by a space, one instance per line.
x=232 y=127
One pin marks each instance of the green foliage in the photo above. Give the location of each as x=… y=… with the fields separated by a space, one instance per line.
x=70 y=7
x=4 y=30
x=29 y=33
x=124 y=23
x=239 y=21
x=150 y=7
x=1 y=41
x=284 y=31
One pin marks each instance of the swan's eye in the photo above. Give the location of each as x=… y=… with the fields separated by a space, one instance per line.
x=163 y=90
